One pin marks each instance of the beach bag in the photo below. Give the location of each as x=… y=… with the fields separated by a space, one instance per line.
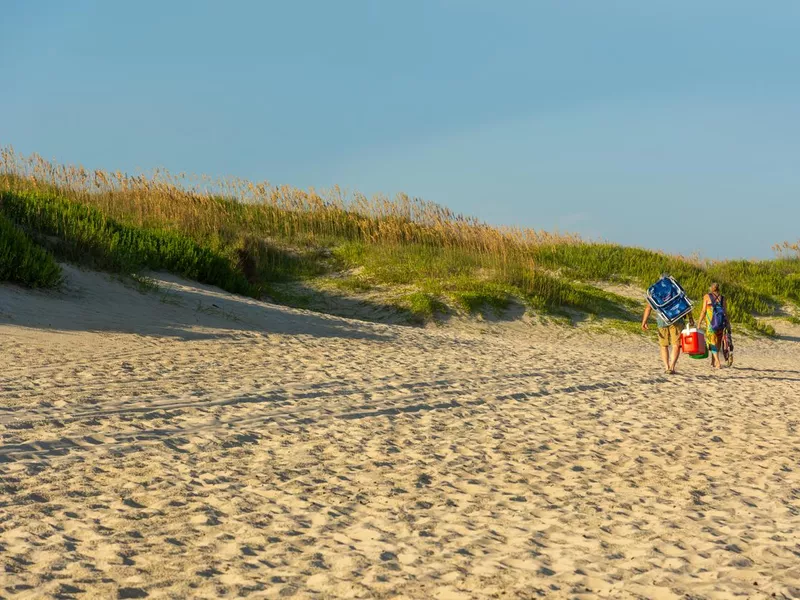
x=669 y=300
x=717 y=315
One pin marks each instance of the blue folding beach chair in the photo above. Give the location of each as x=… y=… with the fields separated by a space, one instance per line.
x=668 y=299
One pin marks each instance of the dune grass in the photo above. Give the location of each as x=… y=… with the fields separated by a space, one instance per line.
x=83 y=234
x=350 y=284
x=473 y=281
x=751 y=287
x=475 y=301
x=246 y=236
x=24 y=262
x=420 y=306
x=778 y=278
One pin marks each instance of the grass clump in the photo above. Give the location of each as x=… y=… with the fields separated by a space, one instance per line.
x=763 y=328
x=355 y=285
x=288 y=295
x=22 y=261
x=408 y=263
x=263 y=261
x=83 y=234
x=550 y=293
x=474 y=301
x=145 y=285
x=420 y=306
x=472 y=281
x=611 y=326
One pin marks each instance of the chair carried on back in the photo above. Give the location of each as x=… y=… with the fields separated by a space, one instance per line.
x=669 y=299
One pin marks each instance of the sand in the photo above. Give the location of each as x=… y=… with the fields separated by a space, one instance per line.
x=186 y=443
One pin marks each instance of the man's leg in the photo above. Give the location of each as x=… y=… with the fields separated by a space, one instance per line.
x=663 y=346
x=675 y=345
x=665 y=357
x=676 y=352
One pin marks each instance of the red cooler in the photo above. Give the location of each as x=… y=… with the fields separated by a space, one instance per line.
x=693 y=341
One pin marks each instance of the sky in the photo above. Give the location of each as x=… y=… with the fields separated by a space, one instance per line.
x=672 y=125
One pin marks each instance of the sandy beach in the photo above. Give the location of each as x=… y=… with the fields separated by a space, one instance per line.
x=187 y=443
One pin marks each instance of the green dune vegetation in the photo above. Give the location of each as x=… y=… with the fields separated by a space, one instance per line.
x=23 y=261
x=298 y=247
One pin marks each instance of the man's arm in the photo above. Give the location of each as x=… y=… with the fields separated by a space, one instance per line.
x=647 y=310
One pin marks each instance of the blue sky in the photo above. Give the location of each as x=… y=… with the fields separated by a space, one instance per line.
x=670 y=125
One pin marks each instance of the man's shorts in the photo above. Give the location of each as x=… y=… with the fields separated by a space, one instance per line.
x=669 y=336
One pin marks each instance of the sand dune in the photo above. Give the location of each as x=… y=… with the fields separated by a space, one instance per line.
x=191 y=444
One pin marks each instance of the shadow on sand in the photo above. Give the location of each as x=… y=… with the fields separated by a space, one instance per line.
x=789 y=338
x=92 y=301
x=791 y=371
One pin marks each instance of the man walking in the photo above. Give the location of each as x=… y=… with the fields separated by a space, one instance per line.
x=669 y=337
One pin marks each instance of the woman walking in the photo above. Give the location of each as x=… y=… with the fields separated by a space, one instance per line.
x=715 y=313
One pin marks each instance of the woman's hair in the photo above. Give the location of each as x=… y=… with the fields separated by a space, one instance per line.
x=715 y=287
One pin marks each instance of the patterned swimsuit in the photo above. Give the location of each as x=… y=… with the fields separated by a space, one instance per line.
x=713 y=339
